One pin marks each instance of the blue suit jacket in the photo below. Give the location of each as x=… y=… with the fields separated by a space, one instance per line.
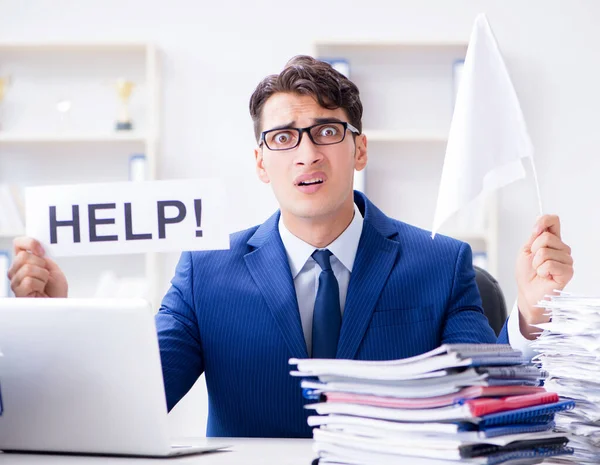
x=233 y=315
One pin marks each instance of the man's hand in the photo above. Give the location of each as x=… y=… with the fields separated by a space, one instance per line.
x=543 y=265
x=32 y=274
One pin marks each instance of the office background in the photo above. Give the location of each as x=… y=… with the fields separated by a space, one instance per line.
x=212 y=55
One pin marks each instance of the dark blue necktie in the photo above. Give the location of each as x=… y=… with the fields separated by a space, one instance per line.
x=327 y=317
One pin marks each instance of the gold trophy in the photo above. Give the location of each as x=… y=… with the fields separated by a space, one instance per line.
x=124 y=89
x=4 y=83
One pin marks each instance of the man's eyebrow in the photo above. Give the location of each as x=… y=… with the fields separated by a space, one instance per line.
x=292 y=124
x=327 y=120
x=289 y=125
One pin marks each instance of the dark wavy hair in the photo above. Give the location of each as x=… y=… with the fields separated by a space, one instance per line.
x=305 y=75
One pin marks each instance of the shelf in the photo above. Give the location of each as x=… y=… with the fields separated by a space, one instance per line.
x=70 y=137
x=74 y=46
x=42 y=69
x=391 y=44
x=382 y=135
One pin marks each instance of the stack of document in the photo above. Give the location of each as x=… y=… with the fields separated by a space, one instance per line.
x=570 y=352
x=468 y=403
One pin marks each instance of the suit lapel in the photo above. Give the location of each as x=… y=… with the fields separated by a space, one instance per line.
x=269 y=267
x=375 y=258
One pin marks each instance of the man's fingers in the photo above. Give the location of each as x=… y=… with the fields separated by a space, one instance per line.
x=545 y=254
x=28 y=287
x=39 y=294
x=550 y=223
x=28 y=244
x=558 y=272
x=545 y=223
x=51 y=265
x=31 y=271
x=24 y=258
x=549 y=241
x=534 y=235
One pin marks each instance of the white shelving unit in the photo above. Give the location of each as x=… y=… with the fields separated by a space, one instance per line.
x=81 y=71
x=25 y=138
x=388 y=44
x=390 y=135
x=407 y=93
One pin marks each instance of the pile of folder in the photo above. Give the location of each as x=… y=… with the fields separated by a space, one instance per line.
x=569 y=351
x=468 y=403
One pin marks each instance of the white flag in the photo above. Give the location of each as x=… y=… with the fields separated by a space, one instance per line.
x=488 y=136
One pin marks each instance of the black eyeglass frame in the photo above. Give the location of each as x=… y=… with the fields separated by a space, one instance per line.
x=347 y=126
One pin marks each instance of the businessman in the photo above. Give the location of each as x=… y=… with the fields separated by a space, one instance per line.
x=328 y=275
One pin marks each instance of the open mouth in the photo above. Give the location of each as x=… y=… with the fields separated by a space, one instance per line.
x=310 y=182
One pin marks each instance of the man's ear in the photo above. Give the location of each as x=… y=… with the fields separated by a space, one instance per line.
x=360 y=154
x=260 y=166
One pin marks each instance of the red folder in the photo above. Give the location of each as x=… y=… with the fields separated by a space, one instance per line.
x=472 y=392
x=481 y=407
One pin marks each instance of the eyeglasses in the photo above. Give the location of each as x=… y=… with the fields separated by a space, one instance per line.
x=319 y=134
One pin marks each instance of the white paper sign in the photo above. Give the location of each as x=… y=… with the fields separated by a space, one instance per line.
x=128 y=217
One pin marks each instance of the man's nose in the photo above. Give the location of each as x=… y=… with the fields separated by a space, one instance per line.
x=307 y=153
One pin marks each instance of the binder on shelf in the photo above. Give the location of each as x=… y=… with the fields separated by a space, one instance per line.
x=137 y=167
x=4 y=265
x=457 y=71
x=339 y=64
x=342 y=65
x=480 y=259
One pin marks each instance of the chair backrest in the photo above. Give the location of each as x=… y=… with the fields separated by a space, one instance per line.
x=494 y=305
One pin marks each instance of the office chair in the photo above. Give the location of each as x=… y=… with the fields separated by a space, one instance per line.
x=494 y=305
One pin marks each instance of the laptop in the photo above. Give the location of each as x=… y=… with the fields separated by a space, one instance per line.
x=84 y=376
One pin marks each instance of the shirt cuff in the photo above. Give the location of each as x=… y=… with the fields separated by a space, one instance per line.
x=515 y=338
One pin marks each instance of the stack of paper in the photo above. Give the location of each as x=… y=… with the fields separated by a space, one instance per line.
x=473 y=403
x=570 y=352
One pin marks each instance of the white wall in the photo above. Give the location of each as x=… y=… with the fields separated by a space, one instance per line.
x=216 y=52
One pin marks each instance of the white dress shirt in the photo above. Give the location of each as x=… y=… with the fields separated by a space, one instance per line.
x=305 y=273
x=515 y=338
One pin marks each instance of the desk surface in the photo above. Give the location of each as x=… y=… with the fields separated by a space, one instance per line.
x=244 y=452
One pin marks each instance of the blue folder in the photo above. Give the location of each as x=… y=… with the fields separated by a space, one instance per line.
x=496 y=431
x=538 y=414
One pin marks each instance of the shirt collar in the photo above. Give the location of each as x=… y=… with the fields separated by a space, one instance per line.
x=344 y=247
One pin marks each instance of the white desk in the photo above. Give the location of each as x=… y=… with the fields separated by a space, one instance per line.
x=244 y=452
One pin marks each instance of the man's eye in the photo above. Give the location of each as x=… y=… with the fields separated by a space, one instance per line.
x=282 y=137
x=328 y=131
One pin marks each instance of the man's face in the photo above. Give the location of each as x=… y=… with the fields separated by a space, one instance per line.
x=309 y=181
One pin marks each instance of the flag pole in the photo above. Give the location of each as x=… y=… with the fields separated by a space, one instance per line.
x=537 y=186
